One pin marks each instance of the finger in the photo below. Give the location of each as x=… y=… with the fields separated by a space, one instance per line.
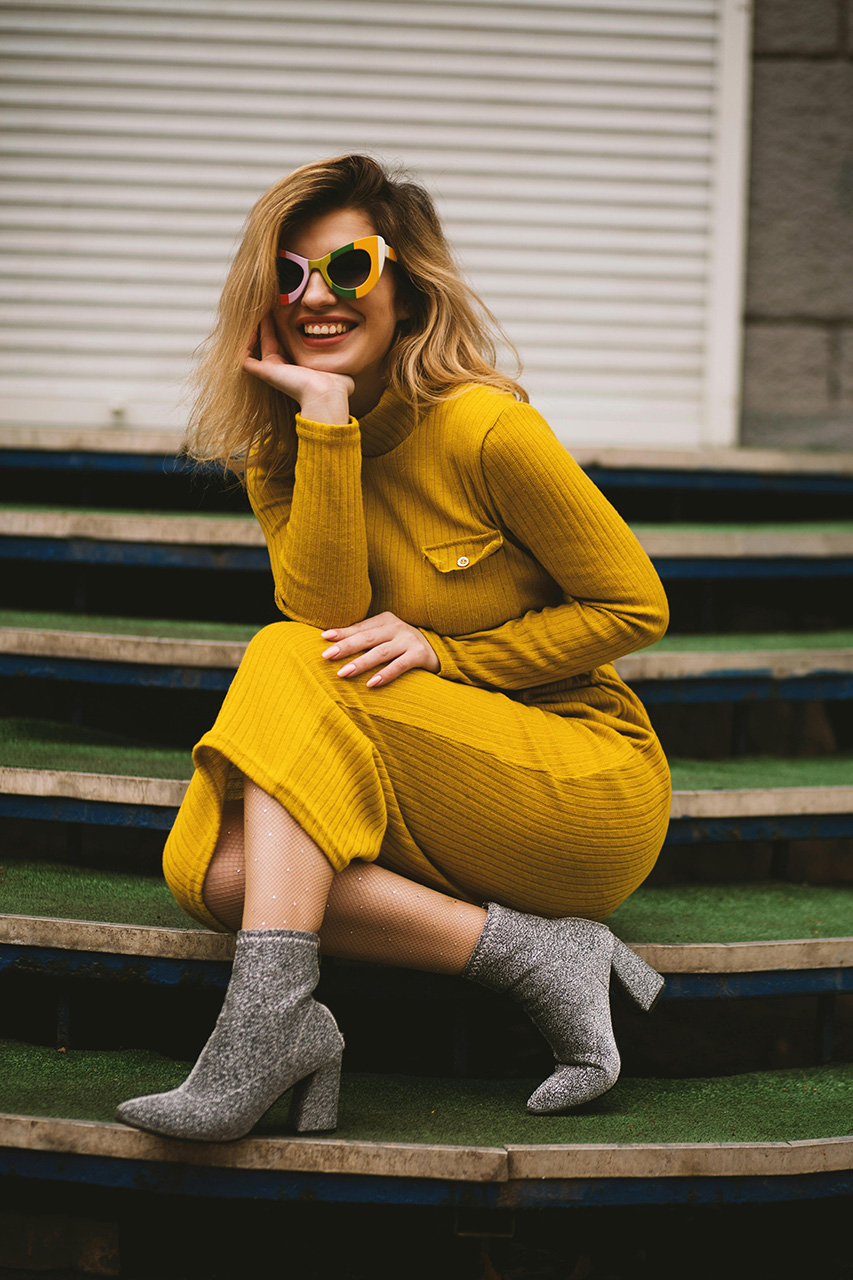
x=404 y=663
x=268 y=338
x=367 y=661
x=355 y=644
x=260 y=370
x=253 y=342
x=376 y=619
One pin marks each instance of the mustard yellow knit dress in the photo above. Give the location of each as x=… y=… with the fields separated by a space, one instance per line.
x=525 y=772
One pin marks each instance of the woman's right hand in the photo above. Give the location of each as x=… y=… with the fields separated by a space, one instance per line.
x=322 y=397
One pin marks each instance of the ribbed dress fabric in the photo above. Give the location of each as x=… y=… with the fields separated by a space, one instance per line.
x=524 y=772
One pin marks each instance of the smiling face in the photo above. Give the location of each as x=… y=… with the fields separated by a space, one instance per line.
x=359 y=332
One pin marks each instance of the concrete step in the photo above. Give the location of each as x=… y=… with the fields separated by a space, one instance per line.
x=772 y=927
x=54 y=770
x=422 y=1139
x=187 y=644
x=178 y=654
x=234 y=541
x=131 y=450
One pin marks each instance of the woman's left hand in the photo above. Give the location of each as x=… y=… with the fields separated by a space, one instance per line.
x=384 y=638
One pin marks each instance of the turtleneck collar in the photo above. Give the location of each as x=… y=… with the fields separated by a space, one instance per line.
x=386 y=426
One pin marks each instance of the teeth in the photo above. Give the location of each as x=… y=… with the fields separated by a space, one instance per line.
x=325 y=330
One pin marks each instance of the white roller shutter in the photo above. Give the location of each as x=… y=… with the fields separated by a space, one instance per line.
x=588 y=160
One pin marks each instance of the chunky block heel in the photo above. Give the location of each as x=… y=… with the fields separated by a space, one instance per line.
x=641 y=983
x=315 y=1099
x=271 y=1035
x=559 y=971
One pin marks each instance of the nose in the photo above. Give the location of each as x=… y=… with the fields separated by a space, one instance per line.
x=317 y=293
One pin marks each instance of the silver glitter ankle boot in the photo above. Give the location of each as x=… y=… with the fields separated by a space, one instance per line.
x=559 y=971
x=270 y=1035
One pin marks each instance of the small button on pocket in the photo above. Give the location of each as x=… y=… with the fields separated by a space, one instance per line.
x=447 y=557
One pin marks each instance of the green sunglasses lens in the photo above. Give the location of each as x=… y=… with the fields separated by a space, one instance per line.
x=350 y=270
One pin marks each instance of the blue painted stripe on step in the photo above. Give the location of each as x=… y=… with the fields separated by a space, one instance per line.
x=88 y=812
x=136 y=554
x=161 y=971
x=168 y=555
x=821 y=826
x=601 y=474
x=82 y=460
x=155 y=970
x=221 y=1183
x=688 y=690
x=719 y=481
x=555 y=1193
x=771 y=982
x=92 y=671
x=682 y=831
x=743 y=686
x=679 y=568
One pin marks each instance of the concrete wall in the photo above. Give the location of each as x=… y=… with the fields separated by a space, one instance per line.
x=798 y=357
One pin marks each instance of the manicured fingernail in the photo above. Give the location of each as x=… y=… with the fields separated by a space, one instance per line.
x=374 y=680
x=328 y=635
x=347 y=670
x=331 y=652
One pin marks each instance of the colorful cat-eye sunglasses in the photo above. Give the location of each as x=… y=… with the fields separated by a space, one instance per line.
x=350 y=271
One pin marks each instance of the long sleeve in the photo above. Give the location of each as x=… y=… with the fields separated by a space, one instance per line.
x=614 y=600
x=313 y=522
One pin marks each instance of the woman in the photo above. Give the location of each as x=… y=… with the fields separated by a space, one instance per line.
x=437 y=725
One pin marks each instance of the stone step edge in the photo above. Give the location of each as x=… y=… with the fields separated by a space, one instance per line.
x=447 y=1163
x=244 y=531
x=756 y=802
x=707 y=458
x=778 y=664
x=787 y=954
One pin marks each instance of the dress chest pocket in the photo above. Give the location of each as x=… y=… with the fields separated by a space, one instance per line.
x=463 y=576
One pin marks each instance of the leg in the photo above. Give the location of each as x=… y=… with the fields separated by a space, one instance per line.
x=559 y=970
x=287 y=877
x=374 y=914
x=371 y=913
x=271 y=1034
x=462 y=789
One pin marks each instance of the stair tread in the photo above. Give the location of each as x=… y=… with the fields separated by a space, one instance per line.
x=704 y=458
x=164 y=628
x=793 y=1105
x=814 y=539
x=51 y=745
x=47 y=744
x=679 y=916
x=172 y=643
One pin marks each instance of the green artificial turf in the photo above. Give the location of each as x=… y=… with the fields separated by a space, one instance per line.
x=168 y=628
x=80 y=893
x=771 y=527
x=171 y=628
x=747 y=772
x=749 y=642
x=752 y=912
x=47 y=744
x=776 y=1106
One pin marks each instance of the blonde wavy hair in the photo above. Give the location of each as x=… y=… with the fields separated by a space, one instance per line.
x=449 y=339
